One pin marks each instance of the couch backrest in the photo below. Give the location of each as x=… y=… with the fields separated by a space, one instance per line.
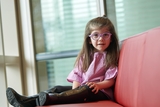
x=138 y=80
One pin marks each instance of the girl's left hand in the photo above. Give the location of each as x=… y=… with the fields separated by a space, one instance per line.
x=94 y=86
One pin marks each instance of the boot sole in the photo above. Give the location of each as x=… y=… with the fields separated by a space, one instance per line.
x=11 y=98
x=42 y=98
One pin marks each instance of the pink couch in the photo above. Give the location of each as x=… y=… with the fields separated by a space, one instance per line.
x=139 y=73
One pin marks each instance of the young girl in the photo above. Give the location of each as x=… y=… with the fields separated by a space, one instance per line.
x=93 y=75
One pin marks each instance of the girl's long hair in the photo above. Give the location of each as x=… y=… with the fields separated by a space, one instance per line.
x=87 y=48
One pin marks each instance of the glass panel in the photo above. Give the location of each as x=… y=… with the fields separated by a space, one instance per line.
x=64 y=22
x=136 y=16
x=57 y=72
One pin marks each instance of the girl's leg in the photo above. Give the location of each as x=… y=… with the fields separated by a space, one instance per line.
x=98 y=96
x=76 y=95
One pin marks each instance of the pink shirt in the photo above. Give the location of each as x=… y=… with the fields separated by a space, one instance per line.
x=95 y=73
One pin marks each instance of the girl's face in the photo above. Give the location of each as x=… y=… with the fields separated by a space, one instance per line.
x=102 y=43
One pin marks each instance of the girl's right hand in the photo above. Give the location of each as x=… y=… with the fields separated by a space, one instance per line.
x=94 y=86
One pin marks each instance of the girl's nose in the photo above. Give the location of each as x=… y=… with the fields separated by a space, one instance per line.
x=101 y=37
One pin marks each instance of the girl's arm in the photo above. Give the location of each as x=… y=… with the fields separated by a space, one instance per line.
x=100 y=85
x=75 y=84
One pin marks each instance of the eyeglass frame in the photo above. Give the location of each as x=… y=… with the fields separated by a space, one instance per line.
x=100 y=35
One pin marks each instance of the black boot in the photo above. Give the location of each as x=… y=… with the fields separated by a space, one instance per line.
x=20 y=101
x=76 y=95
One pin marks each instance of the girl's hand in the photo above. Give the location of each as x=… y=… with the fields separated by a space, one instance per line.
x=94 y=86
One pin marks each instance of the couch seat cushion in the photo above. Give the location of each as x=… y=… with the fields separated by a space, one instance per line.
x=90 y=104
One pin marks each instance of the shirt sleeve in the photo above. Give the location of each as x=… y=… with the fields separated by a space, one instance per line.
x=111 y=73
x=75 y=75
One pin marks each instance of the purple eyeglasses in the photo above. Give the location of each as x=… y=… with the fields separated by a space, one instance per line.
x=96 y=36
